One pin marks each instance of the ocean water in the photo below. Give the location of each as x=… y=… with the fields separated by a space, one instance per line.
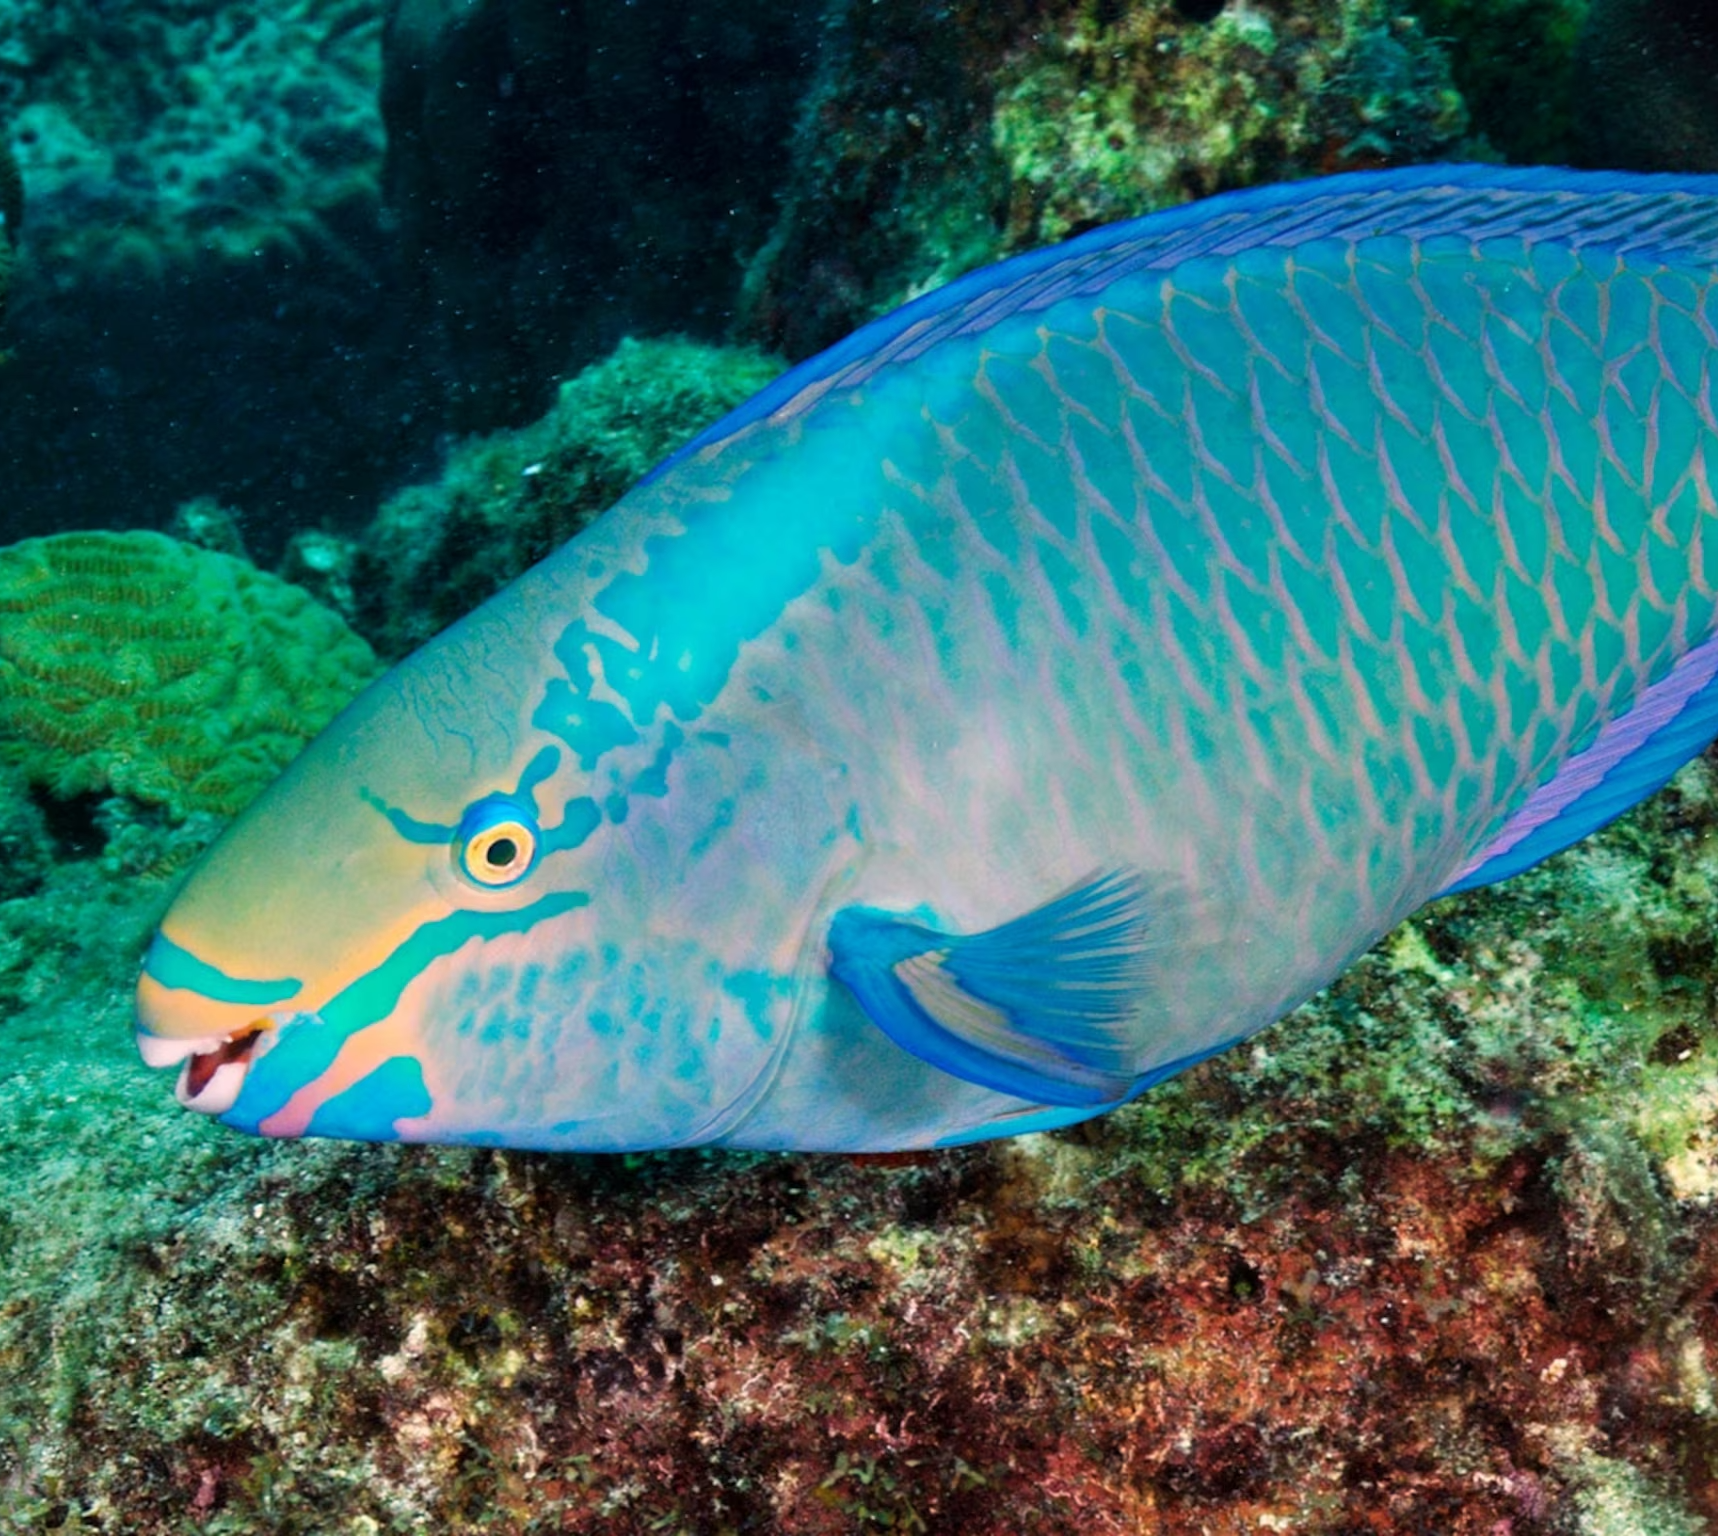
x=369 y=306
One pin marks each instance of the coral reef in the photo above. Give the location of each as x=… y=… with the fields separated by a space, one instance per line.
x=25 y=852
x=504 y=501
x=326 y=565
x=203 y=521
x=1113 y=114
x=203 y=302
x=1440 y=1252
x=927 y=147
x=153 y=135
x=136 y=665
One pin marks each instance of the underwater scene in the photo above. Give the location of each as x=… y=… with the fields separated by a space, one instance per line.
x=1094 y=910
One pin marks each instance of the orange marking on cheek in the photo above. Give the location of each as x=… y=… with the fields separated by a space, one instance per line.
x=362 y=1053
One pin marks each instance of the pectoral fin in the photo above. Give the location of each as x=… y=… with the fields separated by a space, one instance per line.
x=1046 y=1007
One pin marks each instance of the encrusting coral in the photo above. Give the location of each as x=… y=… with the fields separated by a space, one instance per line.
x=133 y=664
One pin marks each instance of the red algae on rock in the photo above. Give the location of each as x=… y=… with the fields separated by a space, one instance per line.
x=794 y=1345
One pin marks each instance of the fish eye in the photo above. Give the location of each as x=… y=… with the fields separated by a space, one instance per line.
x=497 y=844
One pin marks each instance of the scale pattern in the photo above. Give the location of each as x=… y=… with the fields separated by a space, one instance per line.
x=1279 y=555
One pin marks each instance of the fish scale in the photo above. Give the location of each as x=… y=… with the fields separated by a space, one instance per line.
x=1039 y=691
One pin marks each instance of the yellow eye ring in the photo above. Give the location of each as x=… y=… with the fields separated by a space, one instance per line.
x=498 y=849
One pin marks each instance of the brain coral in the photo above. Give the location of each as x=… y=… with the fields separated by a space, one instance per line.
x=134 y=664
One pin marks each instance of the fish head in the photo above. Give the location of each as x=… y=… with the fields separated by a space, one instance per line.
x=429 y=929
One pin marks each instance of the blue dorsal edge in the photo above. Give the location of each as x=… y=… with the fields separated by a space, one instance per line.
x=1632 y=756
x=1044 y=1007
x=1670 y=218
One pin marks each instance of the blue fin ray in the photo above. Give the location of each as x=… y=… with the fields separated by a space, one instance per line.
x=1044 y=1007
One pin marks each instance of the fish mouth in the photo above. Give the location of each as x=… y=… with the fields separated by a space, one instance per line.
x=212 y=1068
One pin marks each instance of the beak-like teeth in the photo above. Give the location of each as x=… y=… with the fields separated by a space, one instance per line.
x=219 y=1093
x=157 y=1051
x=211 y=1067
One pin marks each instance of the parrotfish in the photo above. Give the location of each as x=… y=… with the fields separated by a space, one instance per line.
x=1047 y=687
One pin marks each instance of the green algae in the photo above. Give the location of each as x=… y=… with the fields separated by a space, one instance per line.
x=1113 y=113
x=1613 y=1498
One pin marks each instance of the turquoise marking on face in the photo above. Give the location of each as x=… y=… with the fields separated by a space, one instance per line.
x=175 y=966
x=302 y=1051
x=654 y=779
x=306 y=1047
x=590 y=727
x=578 y=821
x=371 y=1107
x=540 y=768
x=408 y=827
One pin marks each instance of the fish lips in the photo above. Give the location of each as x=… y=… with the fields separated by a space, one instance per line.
x=212 y=1068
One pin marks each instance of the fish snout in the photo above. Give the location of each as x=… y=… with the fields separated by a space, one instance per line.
x=212 y=1068
x=212 y=1026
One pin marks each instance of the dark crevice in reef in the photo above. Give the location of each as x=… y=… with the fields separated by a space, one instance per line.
x=74 y=824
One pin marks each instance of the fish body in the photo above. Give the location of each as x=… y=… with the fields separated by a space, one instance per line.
x=1042 y=690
